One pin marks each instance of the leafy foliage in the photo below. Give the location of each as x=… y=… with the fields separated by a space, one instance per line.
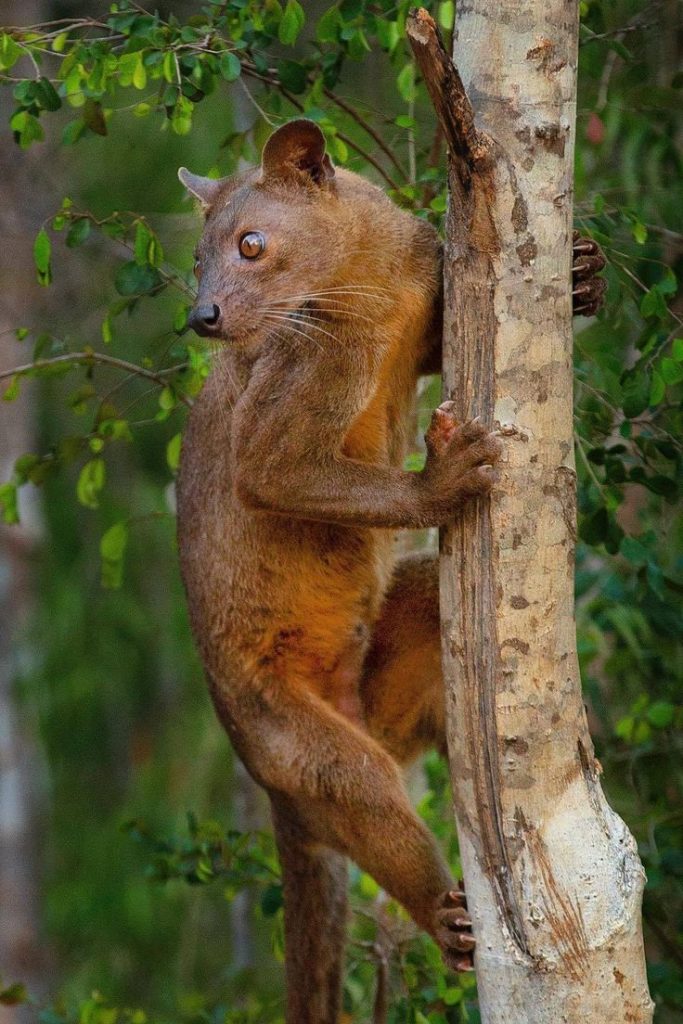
x=112 y=413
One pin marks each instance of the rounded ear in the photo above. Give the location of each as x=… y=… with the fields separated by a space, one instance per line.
x=297 y=150
x=203 y=189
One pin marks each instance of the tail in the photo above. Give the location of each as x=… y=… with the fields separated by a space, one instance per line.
x=315 y=899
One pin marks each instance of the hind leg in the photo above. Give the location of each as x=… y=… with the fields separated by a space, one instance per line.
x=403 y=698
x=402 y=684
x=315 y=882
x=343 y=791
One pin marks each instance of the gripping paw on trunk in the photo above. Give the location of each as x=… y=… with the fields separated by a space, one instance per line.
x=588 y=290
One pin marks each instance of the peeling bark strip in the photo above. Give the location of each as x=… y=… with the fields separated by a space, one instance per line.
x=471 y=243
x=553 y=878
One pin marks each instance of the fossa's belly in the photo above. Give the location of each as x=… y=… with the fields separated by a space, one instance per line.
x=283 y=600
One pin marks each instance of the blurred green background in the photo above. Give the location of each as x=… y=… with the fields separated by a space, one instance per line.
x=104 y=717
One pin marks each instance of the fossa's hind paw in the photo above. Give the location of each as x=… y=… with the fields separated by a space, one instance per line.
x=454 y=931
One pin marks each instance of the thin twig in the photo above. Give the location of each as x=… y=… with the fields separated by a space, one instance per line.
x=381 y=1002
x=88 y=358
x=276 y=84
x=360 y=120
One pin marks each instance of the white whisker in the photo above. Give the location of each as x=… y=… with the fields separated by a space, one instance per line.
x=320 y=308
x=301 y=320
x=288 y=322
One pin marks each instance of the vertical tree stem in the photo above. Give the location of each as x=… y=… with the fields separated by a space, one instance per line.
x=553 y=877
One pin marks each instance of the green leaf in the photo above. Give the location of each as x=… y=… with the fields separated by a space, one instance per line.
x=624 y=727
x=73 y=131
x=78 y=232
x=634 y=551
x=367 y=886
x=660 y=714
x=143 y=238
x=107 y=334
x=388 y=35
x=414 y=462
x=168 y=67
x=27 y=129
x=669 y=284
x=636 y=393
x=358 y=45
x=339 y=149
x=291 y=23
x=181 y=118
x=446 y=15
x=140 y=74
x=677 y=349
x=116 y=429
x=664 y=485
x=180 y=318
x=452 y=996
x=271 y=901
x=114 y=540
x=8 y=502
x=639 y=232
x=112 y=548
x=406 y=82
x=10 y=52
x=24 y=466
x=42 y=249
x=293 y=75
x=93 y=117
x=657 y=389
x=653 y=304
x=167 y=399
x=12 y=390
x=595 y=528
x=132 y=279
x=230 y=66
x=46 y=95
x=671 y=371
x=13 y=995
x=173 y=452
x=90 y=482
x=327 y=27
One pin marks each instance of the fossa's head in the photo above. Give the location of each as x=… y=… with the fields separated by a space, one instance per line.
x=290 y=238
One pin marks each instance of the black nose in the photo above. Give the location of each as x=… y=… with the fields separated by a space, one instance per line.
x=205 y=320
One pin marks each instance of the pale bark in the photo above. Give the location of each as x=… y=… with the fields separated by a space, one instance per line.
x=552 y=874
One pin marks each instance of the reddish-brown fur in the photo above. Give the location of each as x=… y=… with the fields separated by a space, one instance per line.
x=322 y=652
x=289 y=491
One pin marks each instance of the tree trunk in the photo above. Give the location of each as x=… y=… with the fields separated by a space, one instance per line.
x=22 y=954
x=553 y=877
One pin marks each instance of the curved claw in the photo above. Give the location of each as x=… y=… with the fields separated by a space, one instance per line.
x=589 y=290
x=454 y=931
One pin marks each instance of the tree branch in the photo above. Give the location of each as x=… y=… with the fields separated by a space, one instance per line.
x=88 y=358
x=447 y=93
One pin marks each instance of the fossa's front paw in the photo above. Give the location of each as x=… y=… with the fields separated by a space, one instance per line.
x=588 y=291
x=460 y=456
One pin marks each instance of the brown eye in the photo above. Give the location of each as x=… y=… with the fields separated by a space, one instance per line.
x=197 y=268
x=252 y=244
